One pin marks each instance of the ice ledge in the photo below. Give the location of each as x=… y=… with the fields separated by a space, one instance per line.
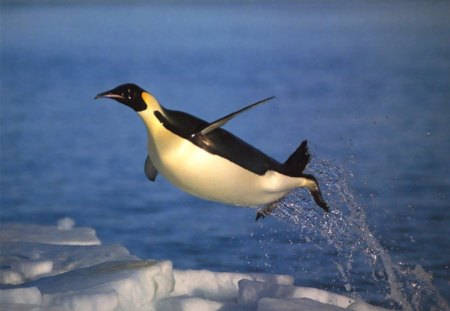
x=61 y=235
x=67 y=268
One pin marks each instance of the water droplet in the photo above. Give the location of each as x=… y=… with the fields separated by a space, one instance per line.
x=348 y=236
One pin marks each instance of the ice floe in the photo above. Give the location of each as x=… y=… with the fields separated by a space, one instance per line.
x=66 y=268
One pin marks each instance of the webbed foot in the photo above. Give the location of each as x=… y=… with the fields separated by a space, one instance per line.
x=266 y=210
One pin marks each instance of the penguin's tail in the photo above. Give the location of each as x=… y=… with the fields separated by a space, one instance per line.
x=296 y=164
x=297 y=161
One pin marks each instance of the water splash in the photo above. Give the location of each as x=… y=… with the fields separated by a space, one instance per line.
x=345 y=229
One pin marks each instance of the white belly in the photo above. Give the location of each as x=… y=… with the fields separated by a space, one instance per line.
x=212 y=177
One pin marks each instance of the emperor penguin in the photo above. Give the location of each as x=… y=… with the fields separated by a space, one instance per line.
x=209 y=162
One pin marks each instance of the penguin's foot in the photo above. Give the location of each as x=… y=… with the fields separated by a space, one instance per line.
x=266 y=210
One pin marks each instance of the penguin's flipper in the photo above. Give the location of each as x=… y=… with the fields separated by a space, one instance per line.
x=218 y=123
x=150 y=170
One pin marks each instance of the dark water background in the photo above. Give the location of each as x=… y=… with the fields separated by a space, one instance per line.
x=367 y=83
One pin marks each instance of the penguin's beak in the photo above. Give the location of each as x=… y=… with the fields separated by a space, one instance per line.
x=108 y=94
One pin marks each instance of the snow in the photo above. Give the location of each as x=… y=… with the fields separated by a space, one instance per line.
x=221 y=286
x=295 y=304
x=250 y=292
x=63 y=235
x=66 y=268
x=130 y=284
x=194 y=303
x=27 y=295
x=65 y=223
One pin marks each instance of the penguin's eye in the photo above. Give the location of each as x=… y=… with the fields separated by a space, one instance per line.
x=128 y=94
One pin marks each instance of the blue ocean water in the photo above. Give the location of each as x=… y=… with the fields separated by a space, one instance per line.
x=368 y=84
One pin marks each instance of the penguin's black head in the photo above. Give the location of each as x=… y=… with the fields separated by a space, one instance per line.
x=128 y=94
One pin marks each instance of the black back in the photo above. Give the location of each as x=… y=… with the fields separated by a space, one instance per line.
x=219 y=142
